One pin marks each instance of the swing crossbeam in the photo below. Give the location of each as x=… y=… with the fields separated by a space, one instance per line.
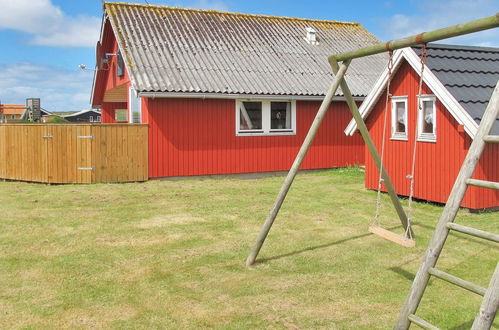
x=345 y=58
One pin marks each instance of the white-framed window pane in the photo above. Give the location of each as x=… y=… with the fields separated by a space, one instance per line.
x=428 y=120
x=250 y=116
x=134 y=106
x=280 y=115
x=400 y=117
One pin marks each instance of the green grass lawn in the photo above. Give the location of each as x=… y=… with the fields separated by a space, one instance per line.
x=170 y=254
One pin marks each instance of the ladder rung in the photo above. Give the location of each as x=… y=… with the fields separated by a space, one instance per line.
x=473 y=232
x=422 y=323
x=491 y=138
x=457 y=281
x=483 y=183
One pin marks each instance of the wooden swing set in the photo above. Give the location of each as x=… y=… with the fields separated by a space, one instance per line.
x=339 y=65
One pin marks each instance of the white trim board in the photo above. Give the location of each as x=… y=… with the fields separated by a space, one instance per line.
x=442 y=94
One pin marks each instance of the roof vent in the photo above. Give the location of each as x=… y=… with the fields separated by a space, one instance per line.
x=311 y=36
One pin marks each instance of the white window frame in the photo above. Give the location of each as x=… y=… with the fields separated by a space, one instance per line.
x=399 y=135
x=134 y=105
x=427 y=137
x=91 y=119
x=266 y=119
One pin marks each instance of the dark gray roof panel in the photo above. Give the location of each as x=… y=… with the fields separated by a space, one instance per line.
x=480 y=53
x=469 y=73
x=462 y=65
x=170 y=49
x=470 y=79
x=471 y=94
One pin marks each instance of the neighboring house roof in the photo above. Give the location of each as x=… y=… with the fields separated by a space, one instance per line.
x=74 y=114
x=469 y=74
x=45 y=112
x=11 y=109
x=169 y=49
x=65 y=113
x=462 y=77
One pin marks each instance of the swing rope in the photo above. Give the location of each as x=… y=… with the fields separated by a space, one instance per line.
x=408 y=233
x=376 y=221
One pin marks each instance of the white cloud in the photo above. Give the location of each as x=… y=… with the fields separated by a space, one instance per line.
x=431 y=15
x=48 y=24
x=59 y=90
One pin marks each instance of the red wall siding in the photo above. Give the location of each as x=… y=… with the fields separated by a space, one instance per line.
x=487 y=169
x=108 y=108
x=437 y=163
x=106 y=77
x=197 y=137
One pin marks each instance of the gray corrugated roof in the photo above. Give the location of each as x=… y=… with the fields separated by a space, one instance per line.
x=169 y=49
x=469 y=73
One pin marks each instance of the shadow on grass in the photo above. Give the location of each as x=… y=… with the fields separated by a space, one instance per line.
x=322 y=246
x=465 y=325
x=402 y=272
x=312 y=248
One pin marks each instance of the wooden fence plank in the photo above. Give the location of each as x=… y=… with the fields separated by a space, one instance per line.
x=116 y=152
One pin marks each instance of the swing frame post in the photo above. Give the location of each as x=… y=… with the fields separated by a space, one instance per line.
x=321 y=113
x=361 y=125
x=345 y=59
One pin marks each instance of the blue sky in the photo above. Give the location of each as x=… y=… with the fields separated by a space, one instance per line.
x=42 y=42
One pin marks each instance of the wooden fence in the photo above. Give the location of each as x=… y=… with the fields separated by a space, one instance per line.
x=74 y=153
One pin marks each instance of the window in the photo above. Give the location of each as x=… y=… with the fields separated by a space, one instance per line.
x=121 y=115
x=135 y=106
x=120 y=70
x=399 y=118
x=427 y=118
x=280 y=116
x=265 y=117
x=98 y=119
x=91 y=119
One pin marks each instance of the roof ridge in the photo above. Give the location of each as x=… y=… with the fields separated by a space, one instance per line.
x=130 y=4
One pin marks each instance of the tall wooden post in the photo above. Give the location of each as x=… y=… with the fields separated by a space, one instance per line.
x=449 y=213
x=372 y=148
x=297 y=163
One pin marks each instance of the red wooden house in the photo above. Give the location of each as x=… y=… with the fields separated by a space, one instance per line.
x=225 y=92
x=458 y=83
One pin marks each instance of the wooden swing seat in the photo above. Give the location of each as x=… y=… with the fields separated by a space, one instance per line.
x=391 y=236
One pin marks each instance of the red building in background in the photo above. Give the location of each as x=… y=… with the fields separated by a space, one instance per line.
x=228 y=93
x=458 y=83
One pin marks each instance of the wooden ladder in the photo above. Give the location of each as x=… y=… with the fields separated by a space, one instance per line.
x=490 y=301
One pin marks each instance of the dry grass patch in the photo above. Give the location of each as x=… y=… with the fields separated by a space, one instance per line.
x=168 y=220
x=170 y=254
